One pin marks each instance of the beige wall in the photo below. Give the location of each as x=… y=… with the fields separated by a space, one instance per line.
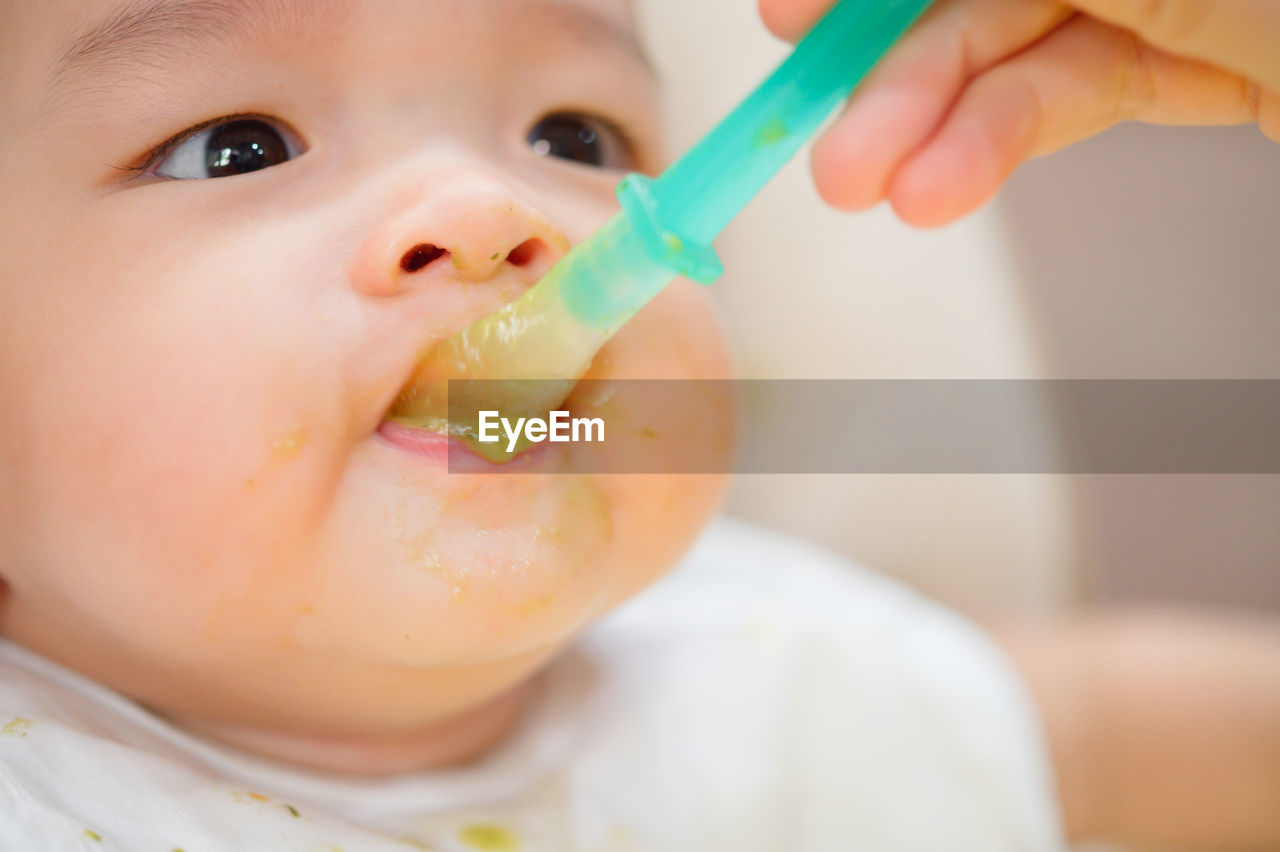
x=1154 y=252
x=1144 y=253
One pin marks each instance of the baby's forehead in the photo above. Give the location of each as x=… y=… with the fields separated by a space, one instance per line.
x=70 y=16
x=620 y=12
x=58 y=36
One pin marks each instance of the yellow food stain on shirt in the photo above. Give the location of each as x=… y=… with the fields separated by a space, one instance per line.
x=259 y=797
x=93 y=835
x=489 y=838
x=290 y=443
x=16 y=727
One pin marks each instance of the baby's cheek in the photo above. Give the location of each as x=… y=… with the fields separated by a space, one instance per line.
x=167 y=495
x=676 y=336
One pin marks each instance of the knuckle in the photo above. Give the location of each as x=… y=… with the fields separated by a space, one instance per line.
x=1137 y=85
x=1268 y=113
x=1251 y=96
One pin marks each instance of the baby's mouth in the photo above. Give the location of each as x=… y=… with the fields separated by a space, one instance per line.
x=520 y=361
x=452 y=407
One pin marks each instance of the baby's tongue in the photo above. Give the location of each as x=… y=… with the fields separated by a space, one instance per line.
x=521 y=361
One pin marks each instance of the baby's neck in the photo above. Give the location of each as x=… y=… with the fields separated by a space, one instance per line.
x=450 y=742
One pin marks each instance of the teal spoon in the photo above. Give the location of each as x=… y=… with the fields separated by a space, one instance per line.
x=663 y=231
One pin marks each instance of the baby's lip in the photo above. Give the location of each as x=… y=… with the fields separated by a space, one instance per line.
x=454 y=453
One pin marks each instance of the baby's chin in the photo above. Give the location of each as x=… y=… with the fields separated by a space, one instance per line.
x=427 y=568
x=430 y=567
x=426 y=605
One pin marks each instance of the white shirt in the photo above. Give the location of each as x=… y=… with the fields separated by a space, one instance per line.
x=764 y=696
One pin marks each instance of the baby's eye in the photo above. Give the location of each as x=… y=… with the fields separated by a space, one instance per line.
x=230 y=147
x=584 y=139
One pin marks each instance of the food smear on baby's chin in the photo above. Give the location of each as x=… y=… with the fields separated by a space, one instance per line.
x=537 y=535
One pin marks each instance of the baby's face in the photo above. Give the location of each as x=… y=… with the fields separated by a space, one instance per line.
x=210 y=298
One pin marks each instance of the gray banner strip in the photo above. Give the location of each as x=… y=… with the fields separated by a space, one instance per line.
x=929 y=426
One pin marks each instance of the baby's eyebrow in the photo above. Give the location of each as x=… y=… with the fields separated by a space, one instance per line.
x=144 y=32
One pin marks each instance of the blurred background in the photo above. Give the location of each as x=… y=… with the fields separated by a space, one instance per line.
x=1145 y=253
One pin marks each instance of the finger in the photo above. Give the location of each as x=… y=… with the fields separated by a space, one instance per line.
x=1083 y=78
x=791 y=19
x=1240 y=35
x=909 y=94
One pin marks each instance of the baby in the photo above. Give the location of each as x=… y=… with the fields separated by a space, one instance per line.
x=244 y=610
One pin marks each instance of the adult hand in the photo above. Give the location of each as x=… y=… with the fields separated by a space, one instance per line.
x=978 y=86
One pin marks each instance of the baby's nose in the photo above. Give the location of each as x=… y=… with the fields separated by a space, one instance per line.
x=474 y=224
